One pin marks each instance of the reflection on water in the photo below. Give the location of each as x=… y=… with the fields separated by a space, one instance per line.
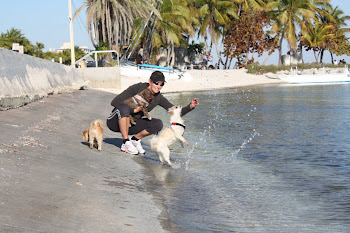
x=262 y=159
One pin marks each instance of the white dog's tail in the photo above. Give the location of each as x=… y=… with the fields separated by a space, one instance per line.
x=154 y=143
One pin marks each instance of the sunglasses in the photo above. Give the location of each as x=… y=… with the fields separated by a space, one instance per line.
x=158 y=83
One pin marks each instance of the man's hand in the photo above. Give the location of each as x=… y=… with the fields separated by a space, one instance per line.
x=194 y=103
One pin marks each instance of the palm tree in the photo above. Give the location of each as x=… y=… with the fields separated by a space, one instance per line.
x=15 y=36
x=256 y=5
x=38 y=49
x=338 y=16
x=177 y=18
x=290 y=15
x=316 y=36
x=214 y=16
x=335 y=17
x=66 y=55
x=111 y=20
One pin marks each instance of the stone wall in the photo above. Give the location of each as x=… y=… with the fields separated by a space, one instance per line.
x=25 y=78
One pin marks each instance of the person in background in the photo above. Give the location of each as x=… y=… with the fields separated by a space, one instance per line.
x=139 y=56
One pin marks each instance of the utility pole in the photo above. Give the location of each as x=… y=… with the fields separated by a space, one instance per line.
x=71 y=33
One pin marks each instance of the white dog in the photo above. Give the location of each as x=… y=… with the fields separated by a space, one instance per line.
x=169 y=135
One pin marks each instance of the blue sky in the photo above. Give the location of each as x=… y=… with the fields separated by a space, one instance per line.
x=46 y=21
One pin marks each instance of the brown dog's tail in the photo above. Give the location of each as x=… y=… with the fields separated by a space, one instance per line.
x=86 y=135
x=97 y=123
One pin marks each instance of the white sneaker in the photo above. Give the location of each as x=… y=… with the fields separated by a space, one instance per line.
x=138 y=146
x=129 y=148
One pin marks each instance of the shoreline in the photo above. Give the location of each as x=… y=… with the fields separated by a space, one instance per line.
x=99 y=191
x=43 y=155
x=201 y=80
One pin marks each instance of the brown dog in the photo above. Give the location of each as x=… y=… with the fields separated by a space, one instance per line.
x=141 y=99
x=94 y=134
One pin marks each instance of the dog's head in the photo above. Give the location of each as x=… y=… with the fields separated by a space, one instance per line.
x=86 y=135
x=175 y=110
x=147 y=94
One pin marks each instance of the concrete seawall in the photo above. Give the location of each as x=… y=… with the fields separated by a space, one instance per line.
x=24 y=79
x=102 y=77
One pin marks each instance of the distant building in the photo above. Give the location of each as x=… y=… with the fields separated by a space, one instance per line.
x=66 y=45
x=293 y=58
x=85 y=49
x=17 y=47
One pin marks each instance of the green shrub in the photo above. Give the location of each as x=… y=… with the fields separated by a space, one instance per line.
x=255 y=68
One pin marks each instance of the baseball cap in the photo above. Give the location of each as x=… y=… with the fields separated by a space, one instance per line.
x=157 y=76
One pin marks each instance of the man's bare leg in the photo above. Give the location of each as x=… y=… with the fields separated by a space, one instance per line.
x=142 y=134
x=124 y=124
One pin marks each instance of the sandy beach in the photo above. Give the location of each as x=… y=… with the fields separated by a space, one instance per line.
x=203 y=80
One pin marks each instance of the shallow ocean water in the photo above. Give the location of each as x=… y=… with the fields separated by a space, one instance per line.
x=271 y=158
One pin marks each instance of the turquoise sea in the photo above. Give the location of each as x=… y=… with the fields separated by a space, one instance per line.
x=271 y=158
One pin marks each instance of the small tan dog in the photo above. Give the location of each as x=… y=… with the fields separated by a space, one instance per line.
x=169 y=135
x=141 y=99
x=94 y=134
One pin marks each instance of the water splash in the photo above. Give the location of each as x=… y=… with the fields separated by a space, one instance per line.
x=189 y=153
x=245 y=142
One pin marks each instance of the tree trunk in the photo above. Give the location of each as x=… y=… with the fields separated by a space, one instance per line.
x=280 y=49
x=210 y=48
x=332 y=57
x=167 y=56
x=268 y=56
x=150 y=36
x=152 y=32
x=219 y=55
x=205 y=44
x=240 y=9
x=280 y=54
x=316 y=58
x=172 y=55
x=230 y=62
x=225 y=65
x=218 y=52
x=246 y=59
x=321 y=57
